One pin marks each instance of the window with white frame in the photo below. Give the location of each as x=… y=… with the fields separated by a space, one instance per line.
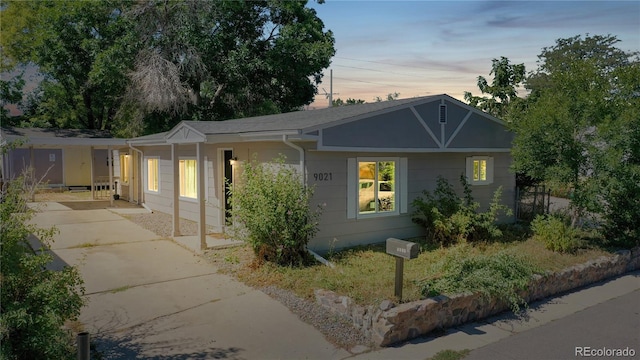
x=153 y=179
x=480 y=170
x=376 y=187
x=188 y=171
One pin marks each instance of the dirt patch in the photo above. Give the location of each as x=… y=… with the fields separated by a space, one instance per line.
x=96 y=205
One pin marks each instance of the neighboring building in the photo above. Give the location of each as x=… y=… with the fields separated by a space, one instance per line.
x=367 y=163
x=67 y=158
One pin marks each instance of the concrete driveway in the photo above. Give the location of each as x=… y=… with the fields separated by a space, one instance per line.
x=151 y=298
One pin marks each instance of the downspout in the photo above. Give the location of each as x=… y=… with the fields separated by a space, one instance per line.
x=140 y=174
x=303 y=169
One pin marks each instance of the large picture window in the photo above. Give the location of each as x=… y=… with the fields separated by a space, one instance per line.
x=188 y=178
x=153 y=181
x=376 y=186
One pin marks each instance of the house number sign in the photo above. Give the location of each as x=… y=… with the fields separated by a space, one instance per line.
x=323 y=176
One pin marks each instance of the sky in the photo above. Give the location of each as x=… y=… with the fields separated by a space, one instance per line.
x=419 y=48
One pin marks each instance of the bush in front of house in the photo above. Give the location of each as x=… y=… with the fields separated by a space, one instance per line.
x=36 y=301
x=501 y=276
x=449 y=219
x=555 y=233
x=271 y=211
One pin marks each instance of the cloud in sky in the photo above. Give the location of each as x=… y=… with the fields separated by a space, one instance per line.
x=427 y=47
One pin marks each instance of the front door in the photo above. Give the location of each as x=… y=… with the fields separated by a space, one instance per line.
x=228 y=180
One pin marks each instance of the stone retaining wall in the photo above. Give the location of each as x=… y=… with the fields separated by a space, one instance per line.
x=388 y=323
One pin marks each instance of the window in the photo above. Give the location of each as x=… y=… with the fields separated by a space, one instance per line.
x=125 y=167
x=376 y=186
x=376 y=191
x=480 y=170
x=153 y=182
x=188 y=178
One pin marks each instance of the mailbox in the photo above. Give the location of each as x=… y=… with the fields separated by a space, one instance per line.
x=401 y=248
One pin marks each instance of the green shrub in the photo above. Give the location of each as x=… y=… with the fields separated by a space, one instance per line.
x=555 y=233
x=501 y=275
x=36 y=302
x=449 y=219
x=270 y=210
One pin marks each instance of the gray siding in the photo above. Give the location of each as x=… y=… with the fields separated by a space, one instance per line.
x=403 y=129
x=336 y=231
x=398 y=129
x=480 y=132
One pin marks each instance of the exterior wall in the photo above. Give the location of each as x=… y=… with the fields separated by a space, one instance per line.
x=77 y=166
x=336 y=231
x=214 y=207
x=328 y=173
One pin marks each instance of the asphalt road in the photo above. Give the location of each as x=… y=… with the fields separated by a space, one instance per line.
x=593 y=333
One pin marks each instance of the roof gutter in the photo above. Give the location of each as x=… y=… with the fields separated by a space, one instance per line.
x=303 y=170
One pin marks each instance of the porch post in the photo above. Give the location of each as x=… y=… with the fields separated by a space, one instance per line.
x=202 y=221
x=176 y=190
x=32 y=171
x=93 y=184
x=110 y=167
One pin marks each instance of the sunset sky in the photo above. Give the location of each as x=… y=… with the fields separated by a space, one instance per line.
x=419 y=48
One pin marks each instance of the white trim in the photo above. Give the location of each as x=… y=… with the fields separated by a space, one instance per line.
x=72 y=141
x=352 y=191
x=403 y=185
x=187 y=138
x=425 y=126
x=409 y=150
x=457 y=130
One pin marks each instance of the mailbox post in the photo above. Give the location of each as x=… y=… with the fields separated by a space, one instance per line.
x=401 y=250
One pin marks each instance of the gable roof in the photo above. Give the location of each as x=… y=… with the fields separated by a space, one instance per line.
x=299 y=120
x=407 y=125
x=49 y=136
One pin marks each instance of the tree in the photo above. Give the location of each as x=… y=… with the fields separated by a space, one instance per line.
x=10 y=93
x=503 y=89
x=139 y=67
x=83 y=50
x=390 y=97
x=349 y=101
x=36 y=301
x=580 y=128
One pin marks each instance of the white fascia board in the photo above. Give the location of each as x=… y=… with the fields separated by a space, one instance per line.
x=75 y=141
x=223 y=138
x=149 y=142
x=411 y=150
x=269 y=134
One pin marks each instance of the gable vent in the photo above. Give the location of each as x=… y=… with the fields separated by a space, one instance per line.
x=443 y=114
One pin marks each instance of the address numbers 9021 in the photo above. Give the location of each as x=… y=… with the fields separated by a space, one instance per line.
x=327 y=176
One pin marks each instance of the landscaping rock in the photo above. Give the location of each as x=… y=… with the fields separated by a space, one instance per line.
x=390 y=324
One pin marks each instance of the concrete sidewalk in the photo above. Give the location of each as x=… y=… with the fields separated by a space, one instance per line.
x=148 y=297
